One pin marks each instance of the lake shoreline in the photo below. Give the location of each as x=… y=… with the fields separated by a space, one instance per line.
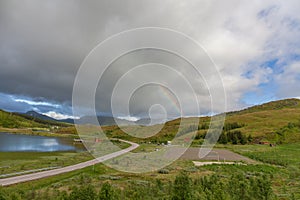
x=29 y=131
x=16 y=142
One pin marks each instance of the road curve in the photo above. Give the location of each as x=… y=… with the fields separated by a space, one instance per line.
x=44 y=174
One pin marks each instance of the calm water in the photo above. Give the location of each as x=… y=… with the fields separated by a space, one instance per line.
x=18 y=142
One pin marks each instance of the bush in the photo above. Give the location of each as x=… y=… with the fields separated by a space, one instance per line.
x=163 y=171
x=83 y=193
x=107 y=192
x=182 y=189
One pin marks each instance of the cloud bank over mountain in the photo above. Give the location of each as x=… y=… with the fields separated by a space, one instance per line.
x=255 y=46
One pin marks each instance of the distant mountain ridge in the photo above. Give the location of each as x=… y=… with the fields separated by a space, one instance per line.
x=21 y=120
x=103 y=120
x=272 y=105
x=35 y=114
x=284 y=111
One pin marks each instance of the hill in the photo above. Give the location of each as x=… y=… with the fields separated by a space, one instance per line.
x=13 y=120
x=18 y=120
x=104 y=121
x=277 y=121
x=37 y=115
x=273 y=105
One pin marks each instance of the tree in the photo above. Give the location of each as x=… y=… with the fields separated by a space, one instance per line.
x=243 y=140
x=107 y=192
x=83 y=193
x=261 y=188
x=250 y=138
x=203 y=126
x=235 y=139
x=223 y=138
x=182 y=189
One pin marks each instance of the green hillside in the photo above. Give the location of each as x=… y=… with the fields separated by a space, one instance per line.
x=273 y=105
x=15 y=120
x=277 y=121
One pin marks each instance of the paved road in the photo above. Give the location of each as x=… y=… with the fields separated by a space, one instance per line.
x=44 y=174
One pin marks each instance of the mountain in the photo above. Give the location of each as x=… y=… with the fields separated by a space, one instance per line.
x=18 y=120
x=104 y=121
x=68 y=120
x=273 y=105
x=39 y=116
x=149 y=122
x=110 y=121
x=276 y=121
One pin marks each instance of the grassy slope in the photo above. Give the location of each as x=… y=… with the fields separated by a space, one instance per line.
x=25 y=124
x=11 y=120
x=267 y=118
x=260 y=121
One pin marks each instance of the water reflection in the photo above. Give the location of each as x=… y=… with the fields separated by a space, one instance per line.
x=18 y=142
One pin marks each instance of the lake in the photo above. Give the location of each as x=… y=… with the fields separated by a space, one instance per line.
x=19 y=142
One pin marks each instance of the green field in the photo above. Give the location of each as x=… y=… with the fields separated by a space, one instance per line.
x=282 y=177
x=276 y=177
x=12 y=162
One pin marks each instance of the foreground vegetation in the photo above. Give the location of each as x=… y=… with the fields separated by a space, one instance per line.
x=180 y=180
x=277 y=177
x=183 y=187
x=14 y=162
x=275 y=122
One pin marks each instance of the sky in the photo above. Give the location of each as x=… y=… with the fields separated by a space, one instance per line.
x=254 y=44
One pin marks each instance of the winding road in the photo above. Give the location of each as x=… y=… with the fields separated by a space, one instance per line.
x=44 y=174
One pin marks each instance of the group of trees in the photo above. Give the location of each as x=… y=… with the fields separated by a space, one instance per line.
x=231 y=126
x=227 y=126
x=283 y=134
x=237 y=186
x=187 y=129
x=228 y=135
x=83 y=192
x=234 y=137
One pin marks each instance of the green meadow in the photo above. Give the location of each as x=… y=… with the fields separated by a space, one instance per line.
x=275 y=176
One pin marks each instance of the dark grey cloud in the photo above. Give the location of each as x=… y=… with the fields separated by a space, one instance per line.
x=43 y=43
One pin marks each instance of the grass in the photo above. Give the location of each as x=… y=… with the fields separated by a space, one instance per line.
x=281 y=163
x=286 y=159
x=261 y=122
x=283 y=155
x=11 y=162
x=100 y=173
x=15 y=120
x=285 y=178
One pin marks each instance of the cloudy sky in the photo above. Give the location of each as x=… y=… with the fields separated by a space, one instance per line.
x=255 y=45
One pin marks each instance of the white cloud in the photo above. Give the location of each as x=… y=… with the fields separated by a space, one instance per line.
x=240 y=37
x=36 y=103
x=129 y=118
x=59 y=116
x=289 y=81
